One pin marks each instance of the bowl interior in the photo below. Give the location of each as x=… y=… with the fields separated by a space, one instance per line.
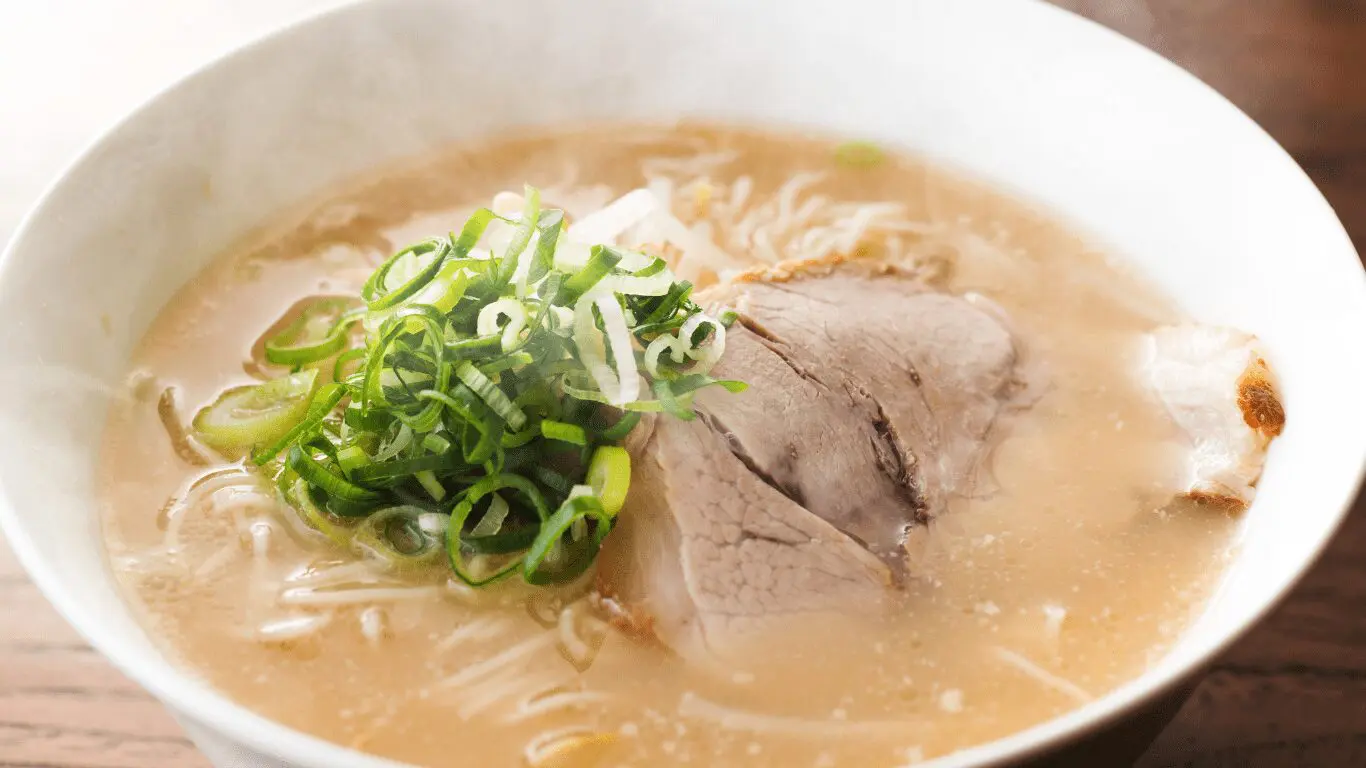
x=1137 y=153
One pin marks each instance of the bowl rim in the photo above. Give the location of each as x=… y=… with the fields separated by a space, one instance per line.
x=186 y=696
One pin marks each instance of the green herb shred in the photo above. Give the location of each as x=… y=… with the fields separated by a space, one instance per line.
x=472 y=398
x=859 y=154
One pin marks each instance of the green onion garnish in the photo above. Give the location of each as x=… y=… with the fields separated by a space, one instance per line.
x=479 y=387
x=318 y=333
x=859 y=154
x=262 y=413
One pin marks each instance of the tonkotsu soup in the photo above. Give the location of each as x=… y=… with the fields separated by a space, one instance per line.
x=955 y=496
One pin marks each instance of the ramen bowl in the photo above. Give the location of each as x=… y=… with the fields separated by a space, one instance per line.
x=1029 y=98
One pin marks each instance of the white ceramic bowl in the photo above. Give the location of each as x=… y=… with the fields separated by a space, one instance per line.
x=1038 y=101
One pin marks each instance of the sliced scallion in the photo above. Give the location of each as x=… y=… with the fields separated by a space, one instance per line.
x=475 y=385
x=396 y=537
x=257 y=414
x=566 y=433
x=318 y=333
x=609 y=475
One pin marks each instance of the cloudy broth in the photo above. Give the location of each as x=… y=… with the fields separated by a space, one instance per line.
x=1066 y=580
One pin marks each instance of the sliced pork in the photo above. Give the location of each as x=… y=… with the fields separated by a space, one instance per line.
x=870 y=405
x=1217 y=388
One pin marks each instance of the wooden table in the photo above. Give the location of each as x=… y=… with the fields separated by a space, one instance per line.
x=1291 y=694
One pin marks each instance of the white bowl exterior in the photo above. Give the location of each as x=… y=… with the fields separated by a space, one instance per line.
x=222 y=751
x=1108 y=135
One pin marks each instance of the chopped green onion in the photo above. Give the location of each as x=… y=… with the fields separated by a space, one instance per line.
x=319 y=476
x=513 y=310
x=493 y=518
x=455 y=545
x=599 y=264
x=374 y=472
x=548 y=230
x=574 y=558
x=492 y=396
x=339 y=371
x=670 y=403
x=512 y=262
x=431 y=485
x=467 y=349
x=376 y=294
x=300 y=497
x=475 y=381
x=396 y=537
x=566 y=433
x=553 y=480
x=318 y=333
x=609 y=474
x=351 y=458
x=436 y=443
x=859 y=154
x=256 y=414
x=622 y=428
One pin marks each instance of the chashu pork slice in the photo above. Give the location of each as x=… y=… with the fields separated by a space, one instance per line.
x=870 y=404
x=1219 y=391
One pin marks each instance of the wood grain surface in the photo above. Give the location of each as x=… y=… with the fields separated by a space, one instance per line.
x=1292 y=694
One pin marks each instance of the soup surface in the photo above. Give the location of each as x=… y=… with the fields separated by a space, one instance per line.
x=1064 y=575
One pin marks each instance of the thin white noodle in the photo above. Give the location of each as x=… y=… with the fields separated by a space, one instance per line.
x=464 y=593
x=502 y=688
x=479 y=630
x=143 y=561
x=1029 y=668
x=259 y=590
x=695 y=707
x=205 y=455
x=481 y=669
x=809 y=209
x=240 y=521
x=578 y=651
x=739 y=193
x=858 y=227
x=359 y=572
x=292 y=627
x=260 y=539
x=743 y=232
x=208 y=483
x=501 y=685
x=663 y=190
x=543 y=703
x=239 y=500
x=549 y=745
x=792 y=223
x=304 y=596
x=787 y=194
x=606 y=224
x=815 y=242
x=218 y=560
x=508 y=204
x=663 y=224
x=763 y=244
x=845 y=210
x=296 y=526
x=372 y=623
